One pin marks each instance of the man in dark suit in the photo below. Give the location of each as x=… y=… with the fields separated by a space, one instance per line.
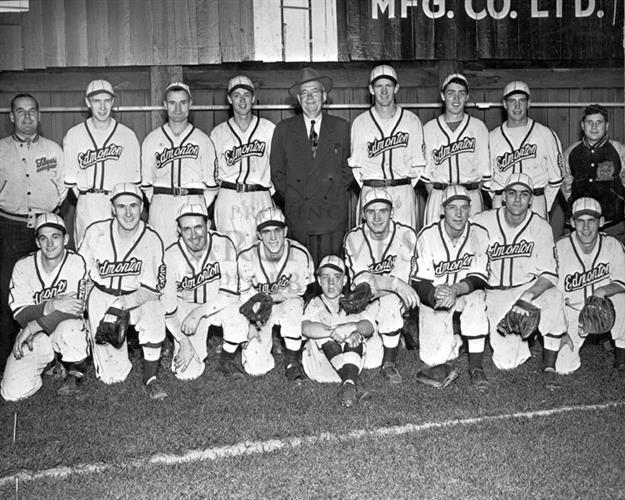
x=309 y=168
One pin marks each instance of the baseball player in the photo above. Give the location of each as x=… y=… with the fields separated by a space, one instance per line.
x=177 y=164
x=380 y=252
x=283 y=268
x=47 y=297
x=595 y=167
x=521 y=145
x=340 y=344
x=591 y=263
x=243 y=143
x=522 y=266
x=450 y=275
x=31 y=183
x=124 y=259
x=201 y=290
x=387 y=147
x=99 y=153
x=456 y=150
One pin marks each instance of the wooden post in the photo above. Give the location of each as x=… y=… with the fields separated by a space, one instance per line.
x=160 y=77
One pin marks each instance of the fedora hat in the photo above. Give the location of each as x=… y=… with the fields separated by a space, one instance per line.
x=310 y=75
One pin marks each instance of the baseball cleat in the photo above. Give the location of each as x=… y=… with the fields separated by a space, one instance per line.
x=439 y=376
x=550 y=379
x=390 y=373
x=70 y=386
x=348 y=394
x=478 y=379
x=619 y=367
x=294 y=373
x=155 y=390
x=230 y=369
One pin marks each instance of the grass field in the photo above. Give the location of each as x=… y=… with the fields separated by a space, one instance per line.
x=261 y=438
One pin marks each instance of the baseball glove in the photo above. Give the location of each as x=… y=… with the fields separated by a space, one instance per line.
x=522 y=319
x=596 y=317
x=112 y=328
x=356 y=300
x=257 y=309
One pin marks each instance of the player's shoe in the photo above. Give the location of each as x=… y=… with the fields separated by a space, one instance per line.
x=55 y=369
x=439 y=376
x=295 y=373
x=478 y=379
x=230 y=369
x=390 y=373
x=348 y=394
x=550 y=379
x=70 y=385
x=155 y=390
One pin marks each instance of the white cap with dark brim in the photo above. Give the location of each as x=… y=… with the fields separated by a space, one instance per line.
x=240 y=82
x=50 y=220
x=382 y=71
x=520 y=178
x=455 y=78
x=375 y=195
x=126 y=188
x=516 y=87
x=454 y=192
x=98 y=87
x=178 y=86
x=192 y=209
x=271 y=216
x=333 y=262
x=586 y=206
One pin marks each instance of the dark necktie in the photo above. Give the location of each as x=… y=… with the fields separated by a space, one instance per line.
x=314 y=138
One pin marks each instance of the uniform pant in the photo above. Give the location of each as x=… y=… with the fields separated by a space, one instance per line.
x=511 y=351
x=389 y=318
x=22 y=377
x=433 y=209
x=437 y=341
x=568 y=359
x=112 y=365
x=163 y=212
x=91 y=207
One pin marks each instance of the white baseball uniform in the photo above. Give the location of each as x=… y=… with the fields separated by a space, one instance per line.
x=389 y=154
x=518 y=256
x=192 y=283
x=176 y=170
x=31 y=288
x=443 y=262
x=96 y=160
x=316 y=364
x=455 y=157
x=290 y=276
x=534 y=150
x=580 y=275
x=244 y=175
x=366 y=256
x=119 y=270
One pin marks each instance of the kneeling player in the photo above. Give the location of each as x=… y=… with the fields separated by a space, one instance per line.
x=201 y=290
x=281 y=268
x=340 y=344
x=591 y=263
x=47 y=291
x=450 y=276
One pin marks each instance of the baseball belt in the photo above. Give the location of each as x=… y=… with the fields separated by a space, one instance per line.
x=470 y=186
x=26 y=219
x=93 y=190
x=177 y=191
x=383 y=183
x=241 y=187
x=112 y=291
x=535 y=192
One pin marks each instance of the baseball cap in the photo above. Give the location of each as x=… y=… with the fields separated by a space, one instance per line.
x=192 y=209
x=595 y=109
x=520 y=178
x=375 y=195
x=270 y=217
x=50 y=220
x=99 y=86
x=455 y=78
x=178 y=86
x=455 y=192
x=126 y=188
x=516 y=87
x=333 y=262
x=382 y=71
x=586 y=206
x=240 y=82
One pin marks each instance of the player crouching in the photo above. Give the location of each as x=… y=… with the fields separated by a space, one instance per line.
x=592 y=264
x=47 y=291
x=450 y=276
x=280 y=269
x=124 y=259
x=340 y=344
x=201 y=290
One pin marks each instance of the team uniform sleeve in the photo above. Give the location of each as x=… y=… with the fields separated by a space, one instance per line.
x=483 y=155
x=246 y=276
x=70 y=162
x=356 y=148
x=59 y=180
x=620 y=149
x=169 y=297
x=617 y=263
x=417 y=150
x=153 y=277
x=277 y=160
x=148 y=161
x=134 y=153
x=479 y=266
x=545 y=254
x=313 y=310
x=554 y=167
x=567 y=176
x=229 y=282
x=21 y=294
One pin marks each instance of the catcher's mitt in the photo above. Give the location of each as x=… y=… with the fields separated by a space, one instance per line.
x=596 y=317
x=522 y=319
x=257 y=309
x=112 y=328
x=356 y=301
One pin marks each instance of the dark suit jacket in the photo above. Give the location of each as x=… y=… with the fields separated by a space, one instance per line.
x=315 y=190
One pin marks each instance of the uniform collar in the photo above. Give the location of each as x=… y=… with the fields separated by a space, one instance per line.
x=17 y=138
x=596 y=145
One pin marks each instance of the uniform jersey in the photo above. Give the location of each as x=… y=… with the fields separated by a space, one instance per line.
x=290 y=276
x=141 y=266
x=31 y=175
x=443 y=263
x=198 y=282
x=456 y=156
x=389 y=257
x=534 y=150
x=243 y=156
x=387 y=149
x=518 y=255
x=581 y=274
x=173 y=161
x=99 y=159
